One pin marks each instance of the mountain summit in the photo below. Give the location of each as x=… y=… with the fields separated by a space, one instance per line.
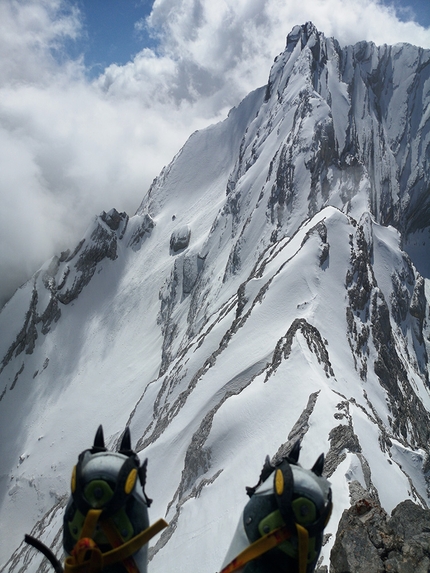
x=272 y=286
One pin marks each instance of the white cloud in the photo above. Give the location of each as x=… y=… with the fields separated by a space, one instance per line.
x=70 y=153
x=212 y=53
x=31 y=34
x=70 y=148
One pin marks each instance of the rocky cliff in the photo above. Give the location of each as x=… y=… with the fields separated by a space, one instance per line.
x=371 y=540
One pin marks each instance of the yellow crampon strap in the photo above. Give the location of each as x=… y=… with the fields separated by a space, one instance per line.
x=258 y=548
x=90 y=523
x=303 y=537
x=270 y=541
x=116 y=540
x=87 y=557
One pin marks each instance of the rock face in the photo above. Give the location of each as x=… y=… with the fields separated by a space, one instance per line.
x=64 y=278
x=371 y=541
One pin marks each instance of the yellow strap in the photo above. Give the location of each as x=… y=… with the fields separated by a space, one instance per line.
x=257 y=548
x=119 y=553
x=90 y=523
x=86 y=555
x=303 y=537
x=135 y=543
x=115 y=539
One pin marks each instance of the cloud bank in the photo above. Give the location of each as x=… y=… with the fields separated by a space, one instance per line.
x=71 y=147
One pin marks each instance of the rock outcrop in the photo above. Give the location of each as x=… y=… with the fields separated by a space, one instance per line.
x=369 y=540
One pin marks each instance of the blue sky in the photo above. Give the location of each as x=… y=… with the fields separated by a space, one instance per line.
x=97 y=96
x=418 y=9
x=111 y=35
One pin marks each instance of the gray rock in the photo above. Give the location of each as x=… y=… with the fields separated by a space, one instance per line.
x=190 y=272
x=368 y=539
x=143 y=230
x=180 y=239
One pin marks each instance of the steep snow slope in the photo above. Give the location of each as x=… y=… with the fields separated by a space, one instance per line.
x=257 y=296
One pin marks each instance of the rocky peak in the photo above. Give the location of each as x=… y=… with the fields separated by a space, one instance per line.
x=350 y=128
x=305 y=33
x=305 y=52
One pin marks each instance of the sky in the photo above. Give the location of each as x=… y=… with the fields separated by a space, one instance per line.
x=96 y=96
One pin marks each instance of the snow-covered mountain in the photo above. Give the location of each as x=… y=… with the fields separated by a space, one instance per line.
x=261 y=293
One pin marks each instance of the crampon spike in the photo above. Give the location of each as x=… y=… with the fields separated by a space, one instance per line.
x=318 y=466
x=293 y=456
x=125 y=447
x=268 y=468
x=99 y=440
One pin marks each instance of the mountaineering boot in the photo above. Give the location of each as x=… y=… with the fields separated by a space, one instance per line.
x=281 y=528
x=106 y=526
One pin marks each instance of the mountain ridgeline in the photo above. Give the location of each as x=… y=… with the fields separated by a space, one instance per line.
x=273 y=285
